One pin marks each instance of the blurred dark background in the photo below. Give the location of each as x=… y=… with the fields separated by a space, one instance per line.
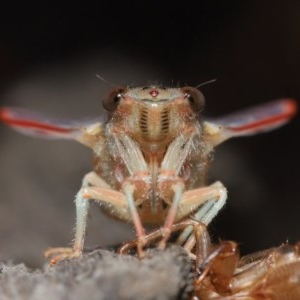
x=48 y=60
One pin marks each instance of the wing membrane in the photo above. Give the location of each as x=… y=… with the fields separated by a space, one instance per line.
x=251 y=121
x=39 y=125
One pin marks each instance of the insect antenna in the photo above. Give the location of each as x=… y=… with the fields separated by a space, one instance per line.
x=205 y=83
x=105 y=81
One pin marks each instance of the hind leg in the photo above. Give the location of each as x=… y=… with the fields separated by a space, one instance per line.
x=93 y=187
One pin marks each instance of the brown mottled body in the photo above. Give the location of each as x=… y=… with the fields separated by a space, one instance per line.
x=152 y=123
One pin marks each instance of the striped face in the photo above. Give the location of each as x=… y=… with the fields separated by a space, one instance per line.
x=153 y=115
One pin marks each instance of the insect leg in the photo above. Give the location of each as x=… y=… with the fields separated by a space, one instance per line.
x=158 y=234
x=82 y=206
x=128 y=190
x=57 y=254
x=176 y=154
x=138 y=180
x=170 y=168
x=210 y=199
x=167 y=229
x=122 y=205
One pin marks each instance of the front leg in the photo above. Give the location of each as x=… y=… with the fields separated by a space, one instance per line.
x=138 y=182
x=169 y=179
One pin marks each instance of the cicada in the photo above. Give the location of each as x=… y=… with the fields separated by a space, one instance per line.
x=151 y=156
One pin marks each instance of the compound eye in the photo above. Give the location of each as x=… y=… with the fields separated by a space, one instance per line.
x=111 y=101
x=195 y=98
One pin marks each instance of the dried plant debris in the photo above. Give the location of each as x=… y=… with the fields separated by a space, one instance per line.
x=103 y=275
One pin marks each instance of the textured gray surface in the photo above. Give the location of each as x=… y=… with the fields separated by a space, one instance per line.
x=103 y=275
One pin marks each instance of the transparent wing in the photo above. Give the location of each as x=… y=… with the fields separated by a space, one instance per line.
x=39 y=125
x=251 y=121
